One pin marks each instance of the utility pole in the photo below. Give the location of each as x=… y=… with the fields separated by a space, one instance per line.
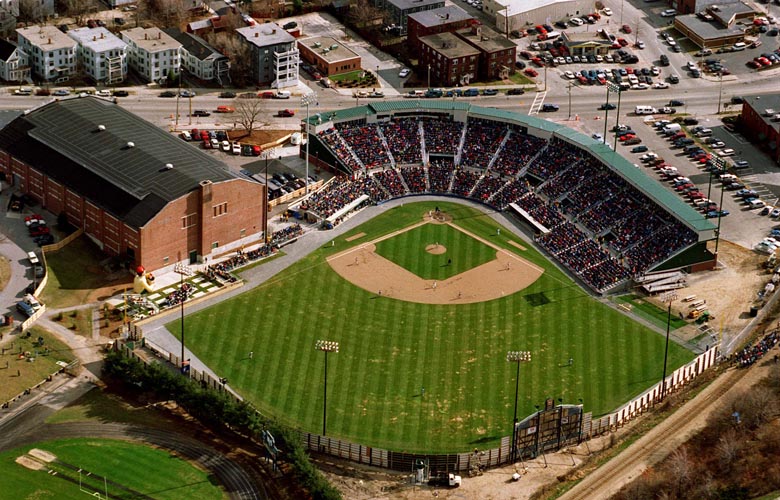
x=569 y=90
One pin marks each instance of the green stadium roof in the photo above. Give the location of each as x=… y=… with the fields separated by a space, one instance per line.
x=603 y=152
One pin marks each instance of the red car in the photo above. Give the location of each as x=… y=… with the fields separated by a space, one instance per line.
x=526 y=54
x=622 y=41
x=39 y=231
x=266 y=95
x=256 y=150
x=627 y=137
x=764 y=61
x=696 y=195
x=531 y=72
x=285 y=113
x=630 y=70
x=537 y=61
x=625 y=29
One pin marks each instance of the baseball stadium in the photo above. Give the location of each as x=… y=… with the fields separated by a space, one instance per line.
x=452 y=237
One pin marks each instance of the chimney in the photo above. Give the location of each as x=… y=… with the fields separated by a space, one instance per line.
x=102 y=35
x=273 y=31
x=146 y=36
x=257 y=35
x=49 y=41
x=94 y=38
x=447 y=16
x=159 y=35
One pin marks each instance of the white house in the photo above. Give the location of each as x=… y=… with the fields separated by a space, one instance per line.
x=51 y=53
x=13 y=63
x=201 y=59
x=275 y=54
x=103 y=55
x=152 y=54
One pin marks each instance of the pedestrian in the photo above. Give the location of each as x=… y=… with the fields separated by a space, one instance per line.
x=449 y=262
x=498 y=231
x=571 y=361
x=333 y=243
x=459 y=294
x=251 y=354
x=422 y=392
x=434 y=286
x=355 y=260
x=380 y=293
x=18 y=373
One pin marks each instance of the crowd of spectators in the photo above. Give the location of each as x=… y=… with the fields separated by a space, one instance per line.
x=441 y=136
x=335 y=196
x=510 y=193
x=751 y=354
x=365 y=142
x=220 y=272
x=440 y=175
x=487 y=187
x=403 y=140
x=483 y=138
x=558 y=155
x=464 y=181
x=336 y=143
x=281 y=236
x=516 y=152
x=391 y=181
x=621 y=232
x=176 y=297
x=415 y=179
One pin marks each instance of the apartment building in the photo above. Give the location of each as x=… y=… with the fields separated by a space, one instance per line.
x=200 y=59
x=275 y=55
x=102 y=54
x=151 y=53
x=13 y=63
x=52 y=54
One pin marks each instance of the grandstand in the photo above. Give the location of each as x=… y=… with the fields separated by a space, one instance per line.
x=591 y=210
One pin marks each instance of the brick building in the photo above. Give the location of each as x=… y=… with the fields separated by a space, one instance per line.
x=496 y=53
x=398 y=11
x=450 y=60
x=136 y=190
x=328 y=56
x=432 y=22
x=760 y=121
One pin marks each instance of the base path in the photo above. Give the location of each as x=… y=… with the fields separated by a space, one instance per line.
x=505 y=275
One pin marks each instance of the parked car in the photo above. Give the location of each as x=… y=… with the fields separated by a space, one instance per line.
x=201 y=112
x=404 y=72
x=168 y=93
x=227 y=95
x=515 y=91
x=639 y=149
x=547 y=108
x=187 y=93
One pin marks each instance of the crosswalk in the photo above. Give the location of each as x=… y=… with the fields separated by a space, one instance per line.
x=537 y=104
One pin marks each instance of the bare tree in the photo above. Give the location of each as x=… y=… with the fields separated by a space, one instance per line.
x=729 y=446
x=248 y=113
x=169 y=12
x=77 y=9
x=239 y=53
x=30 y=11
x=364 y=15
x=681 y=470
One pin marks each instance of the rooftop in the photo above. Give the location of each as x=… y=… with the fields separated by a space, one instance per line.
x=762 y=105
x=522 y=6
x=119 y=166
x=47 y=37
x=449 y=45
x=325 y=50
x=194 y=44
x=6 y=49
x=727 y=12
x=265 y=34
x=442 y=15
x=487 y=41
x=151 y=39
x=706 y=30
x=97 y=39
x=415 y=4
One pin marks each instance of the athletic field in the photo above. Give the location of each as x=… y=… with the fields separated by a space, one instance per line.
x=87 y=468
x=424 y=377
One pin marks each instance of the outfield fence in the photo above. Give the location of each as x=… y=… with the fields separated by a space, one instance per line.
x=547 y=430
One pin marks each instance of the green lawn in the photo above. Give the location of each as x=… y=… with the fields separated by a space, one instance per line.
x=390 y=350
x=22 y=374
x=651 y=312
x=462 y=251
x=129 y=469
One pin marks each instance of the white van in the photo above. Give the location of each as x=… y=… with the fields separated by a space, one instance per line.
x=644 y=110
x=296 y=139
x=672 y=128
x=757 y=204
x=739 y=46
x=705 y=132
x=552 y=35
x=283 y=94
x=33 y=258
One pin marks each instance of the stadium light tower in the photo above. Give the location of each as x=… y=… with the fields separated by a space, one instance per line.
x=516 y=357
x=667 y=297
x=182 y=270
x=307 y=100
x=326 y=346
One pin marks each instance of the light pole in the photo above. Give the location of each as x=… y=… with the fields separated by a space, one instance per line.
x=429 y=76
x=569 y=91
x=326 y=346
x=667 y=297
x=721 y=164
x=611 y=89
x=516 y=357
x=616 y=88
x=182 y=270
x=307 y=100
x=267 y=153
x=720 y=87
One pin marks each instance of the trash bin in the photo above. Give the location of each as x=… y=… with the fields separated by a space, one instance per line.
x=753 y=311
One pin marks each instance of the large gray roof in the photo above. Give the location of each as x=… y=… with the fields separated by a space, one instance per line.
x=442 y=15
x=64 y=140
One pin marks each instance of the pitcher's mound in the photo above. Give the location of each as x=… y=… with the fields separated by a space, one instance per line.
x=436 y=249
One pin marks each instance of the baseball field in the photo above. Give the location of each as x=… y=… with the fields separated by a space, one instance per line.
x=424 y=306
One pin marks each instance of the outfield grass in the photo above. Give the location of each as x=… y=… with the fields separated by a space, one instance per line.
x=651 y=312
x=408 y=251
x=149 y=471
x=390 y=350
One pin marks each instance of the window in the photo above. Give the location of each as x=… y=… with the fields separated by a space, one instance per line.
x=215 y=245
x=189 y=221
x=165 y=261
x=220 y=209
x=242 y=233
